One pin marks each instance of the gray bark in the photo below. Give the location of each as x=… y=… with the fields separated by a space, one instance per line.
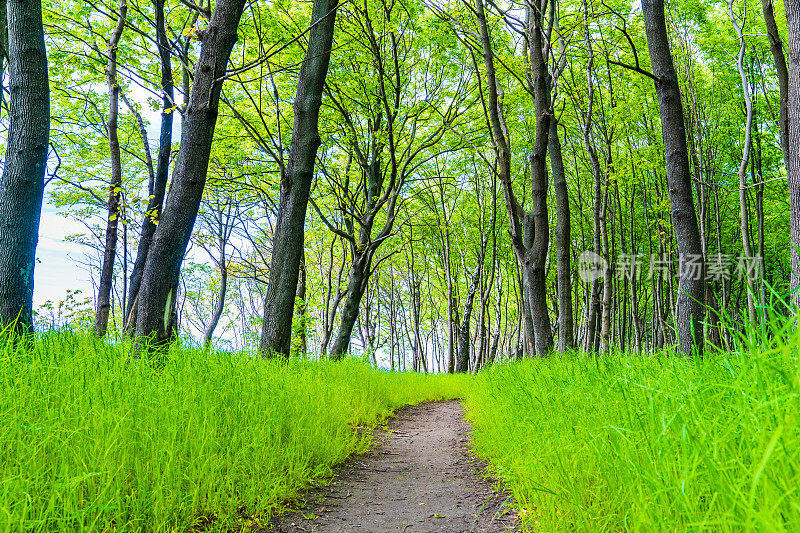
x=691 y=291
x=156 y=318
x=157 y=190
x=22 y=183
x=288 y=240
x=793 y=48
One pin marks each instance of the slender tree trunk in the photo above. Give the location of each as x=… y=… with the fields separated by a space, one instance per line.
x=563 y=238
x=691 y=297
x=22 y=183
x=608 y=282
x=744 y=216
x=392 y=320
x=219 y=306
x=158 y=189
x=159 y=287
x=302 y=306
x=288 y=240
x=462 y=362
x=597 y=286
x=115 y=189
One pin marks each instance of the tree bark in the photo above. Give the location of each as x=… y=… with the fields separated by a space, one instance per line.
x=22 y=185
x=538 y=160
x=744 y=215
x=159 y=186
x=115 y=189
x=288 y=239
x=563 y=238
x=219 y=306
x=691 y=293
x=356 y=286
x=462 y=362
x=159 y=286
x=302 y=306
x=793 y=21
x=778 y=56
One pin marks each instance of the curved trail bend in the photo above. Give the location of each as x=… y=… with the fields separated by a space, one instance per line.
x=417 y=478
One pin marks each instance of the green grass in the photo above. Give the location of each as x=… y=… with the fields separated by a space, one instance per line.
x=91 y=440
x=622 y=443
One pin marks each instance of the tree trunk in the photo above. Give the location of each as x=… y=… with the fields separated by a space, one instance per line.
x=538 y=160
x=159 y=186
x=22 y=185
x=776 y=47
x=115 y=189
x=793 y=21
x=288 y=240
x=159 y=286
x=598 y=216
x=302 y=307
x=356 y=286
x=462 y=362
x=744 y=216
x=691 y=293
x=563 y=239
x=219 y=307
x=3 y=51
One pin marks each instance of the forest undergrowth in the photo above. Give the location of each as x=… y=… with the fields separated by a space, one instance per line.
x=93 y=440
x=649 y=443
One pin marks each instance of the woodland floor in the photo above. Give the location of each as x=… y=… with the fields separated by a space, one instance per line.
x=418 y=477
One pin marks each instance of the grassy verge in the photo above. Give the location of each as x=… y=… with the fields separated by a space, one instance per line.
x=624 y=443
x=91 y=440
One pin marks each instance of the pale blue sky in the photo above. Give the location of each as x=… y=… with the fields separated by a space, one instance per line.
x=56 y=269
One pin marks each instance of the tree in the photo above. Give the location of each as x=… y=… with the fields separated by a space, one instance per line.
x=158 y=187
x=158 y=292
x=793 y=164
x=289 y=234
x=390 y=121
x=115 y=189
x=22 y=186
x=691 y=292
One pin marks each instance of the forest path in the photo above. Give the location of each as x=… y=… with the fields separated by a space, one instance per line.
x=418 y=477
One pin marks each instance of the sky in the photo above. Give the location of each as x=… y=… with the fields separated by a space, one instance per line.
x=56 y=267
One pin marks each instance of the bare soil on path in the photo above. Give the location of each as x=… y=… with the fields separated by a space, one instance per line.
x=418 y=477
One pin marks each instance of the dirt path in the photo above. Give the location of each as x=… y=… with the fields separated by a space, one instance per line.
x=418 y=477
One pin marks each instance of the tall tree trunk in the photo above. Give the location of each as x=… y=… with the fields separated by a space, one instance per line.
x=288 y=240
x=158 y=189
x=776 y=47
x=115 y=189
x=563 y=239
x=691 y=293
x=793 y=21
x=3 y=51
x=158 y=293
x=22 y=184
x=538 y=161
x=596 y=286
x=744 y=216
